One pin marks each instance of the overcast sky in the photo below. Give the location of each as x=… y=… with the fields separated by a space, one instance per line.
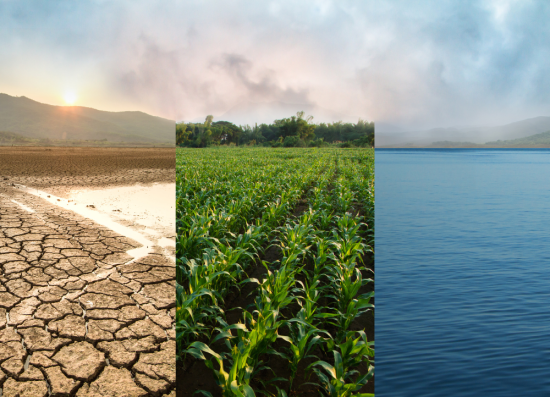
x=408 y=64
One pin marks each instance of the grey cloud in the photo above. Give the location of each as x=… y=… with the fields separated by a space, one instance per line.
x=491 y=69
x=415 y=64
x=239 y=69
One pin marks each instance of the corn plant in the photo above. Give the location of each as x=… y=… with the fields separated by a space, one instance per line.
x=341 y=379
x=335 y=381
x=231 y=205
x=302 y=340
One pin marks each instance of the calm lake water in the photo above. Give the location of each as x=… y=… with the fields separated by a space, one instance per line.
x=462 y=272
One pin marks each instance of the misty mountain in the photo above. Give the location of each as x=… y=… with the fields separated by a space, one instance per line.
x=478 y=135
x=32 y=119
x=537 y=140
x=541 y=140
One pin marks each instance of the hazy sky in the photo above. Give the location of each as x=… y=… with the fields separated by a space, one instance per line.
x=409 y=64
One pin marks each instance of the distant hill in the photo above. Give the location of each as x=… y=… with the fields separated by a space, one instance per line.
x=466 y=136
x=10 y=137
x=35 y=120
x=537 y=140
x=541 y=140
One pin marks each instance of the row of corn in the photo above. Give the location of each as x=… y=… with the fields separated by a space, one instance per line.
x=231 y=206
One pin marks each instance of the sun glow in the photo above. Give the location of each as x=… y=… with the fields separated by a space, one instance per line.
x=70 y=98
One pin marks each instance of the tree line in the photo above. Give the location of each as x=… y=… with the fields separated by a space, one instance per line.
x=295 y=131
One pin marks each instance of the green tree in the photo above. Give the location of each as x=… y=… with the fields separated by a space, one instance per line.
x=208 y=120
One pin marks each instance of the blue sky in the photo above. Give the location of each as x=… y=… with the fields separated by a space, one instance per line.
x=409 y=64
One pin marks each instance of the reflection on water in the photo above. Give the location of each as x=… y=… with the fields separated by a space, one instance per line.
x=144 y=214
x=152 y=205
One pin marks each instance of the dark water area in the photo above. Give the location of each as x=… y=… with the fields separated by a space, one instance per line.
x=462 y=272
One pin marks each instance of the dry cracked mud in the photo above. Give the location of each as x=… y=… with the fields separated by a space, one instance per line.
x=45 y=167
x=78 y=316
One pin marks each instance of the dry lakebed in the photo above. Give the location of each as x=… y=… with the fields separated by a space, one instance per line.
x=87 y=272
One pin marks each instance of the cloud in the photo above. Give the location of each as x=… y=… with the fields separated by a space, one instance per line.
x=460 y=63
x=421 y=64
x=264 y=88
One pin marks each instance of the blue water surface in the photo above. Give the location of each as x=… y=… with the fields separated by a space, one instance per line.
x=462 y=272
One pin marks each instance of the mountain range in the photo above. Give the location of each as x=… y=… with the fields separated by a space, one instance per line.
x=456 y=137
x=30 y=119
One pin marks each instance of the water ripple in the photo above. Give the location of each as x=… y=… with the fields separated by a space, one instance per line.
x=462 y=272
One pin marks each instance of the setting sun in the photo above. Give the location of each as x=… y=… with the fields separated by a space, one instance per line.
x=70 y=98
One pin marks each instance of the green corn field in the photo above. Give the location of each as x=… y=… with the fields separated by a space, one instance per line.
x=275 y=270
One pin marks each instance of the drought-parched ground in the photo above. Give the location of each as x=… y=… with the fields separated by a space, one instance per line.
x=78 y=314
x=89 y=167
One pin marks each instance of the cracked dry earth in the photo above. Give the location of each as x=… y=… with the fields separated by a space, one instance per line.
x=78 y=317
